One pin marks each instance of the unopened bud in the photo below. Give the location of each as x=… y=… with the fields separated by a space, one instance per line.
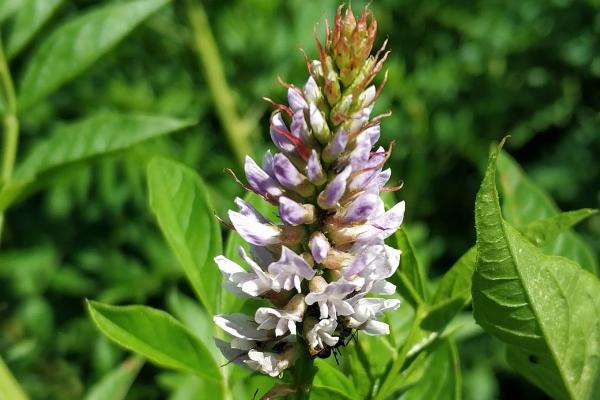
x=317 y=284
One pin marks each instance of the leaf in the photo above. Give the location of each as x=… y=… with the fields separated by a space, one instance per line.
x=454 y=290
x=102 y=134
x=195 y=318
x=116 y=383
x=525 y=202
x=9 y=387
x=546 y=308
x=408 y=277
x=185 y=216
x=8 y=8
x=76 y=45
x=332 y=379
x=441 y=378
x=31 y=16
x=155 y=335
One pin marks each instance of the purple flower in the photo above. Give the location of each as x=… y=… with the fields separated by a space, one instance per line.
x=323 y=265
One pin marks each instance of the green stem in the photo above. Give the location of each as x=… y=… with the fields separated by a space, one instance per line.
x=9 y=388
x=236 y=130
x=398 y=363
x=10 y=124
x=304 y=372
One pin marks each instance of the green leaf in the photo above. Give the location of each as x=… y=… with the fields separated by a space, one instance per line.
x=454 y=290
x=31 y=16
x=185 y=216
x=9 y=387
x=408 y=277
x=332 y=379
x=102 y=134
x=8 y=8
x=524 y=202
x=441 y=378
x=116 y=383
x=195 y=318
x=76 y=45
x=157 y=336
x=98 y=135
x=546 y=308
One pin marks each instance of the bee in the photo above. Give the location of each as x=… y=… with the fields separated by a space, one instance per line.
x=346 y=335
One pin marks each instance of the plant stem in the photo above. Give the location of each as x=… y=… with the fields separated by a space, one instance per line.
x=398 y=363
x=304 y=372
x=10 y=124
x=236 y=130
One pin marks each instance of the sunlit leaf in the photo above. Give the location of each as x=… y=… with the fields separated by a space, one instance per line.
x=157 y=336
x=76 y=45
x=546 y=308
x=179 y=201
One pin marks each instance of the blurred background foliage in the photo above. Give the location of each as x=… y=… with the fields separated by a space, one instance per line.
x=461 y=76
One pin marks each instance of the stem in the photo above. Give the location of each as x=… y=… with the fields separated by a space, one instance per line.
x=304 y=372
x=236 y=130
x=398 y=363
x=10 y=124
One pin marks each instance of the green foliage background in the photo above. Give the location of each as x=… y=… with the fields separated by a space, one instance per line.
x=461 y=76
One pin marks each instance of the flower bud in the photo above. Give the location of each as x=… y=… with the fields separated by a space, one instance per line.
x=319 y=126
x=294 y=213
x=317 y=284
x=288 y=176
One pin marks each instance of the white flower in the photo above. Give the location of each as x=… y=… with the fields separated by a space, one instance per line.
x=366 y=311
x=269 y=363
x=281 y=321
x=320 y=335
x=331 y=299
x=242 y=327
x=290 y=270
x=243 y=282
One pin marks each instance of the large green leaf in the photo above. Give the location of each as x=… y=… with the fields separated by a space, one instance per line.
x=101 y=134
x=525 y=202
x=76 y=45
x=116 y=383
x=546 y=308
x=454 y=289
x=32 y=15
x=441 y=378
x=179 y=201
x=157 y=336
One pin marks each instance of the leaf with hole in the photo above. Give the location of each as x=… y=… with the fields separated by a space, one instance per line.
x=546 y=308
